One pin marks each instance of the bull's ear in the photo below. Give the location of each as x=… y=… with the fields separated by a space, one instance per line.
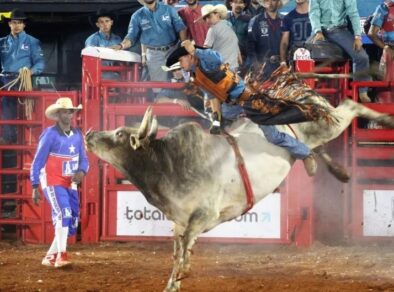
x=153 y=129
x=135 y=142
x=146 y=121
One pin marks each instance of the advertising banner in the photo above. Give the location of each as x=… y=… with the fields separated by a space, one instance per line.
x=136 y=217
x=378 y=213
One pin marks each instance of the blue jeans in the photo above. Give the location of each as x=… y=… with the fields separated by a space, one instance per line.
x=296 y=148
x=9 y=112
x=154 y=61
x=345 y=39
x=231 y=112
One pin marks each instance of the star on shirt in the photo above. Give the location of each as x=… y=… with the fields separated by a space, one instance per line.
x=72 y=149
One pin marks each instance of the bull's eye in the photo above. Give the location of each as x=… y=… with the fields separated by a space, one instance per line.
x=120 y=134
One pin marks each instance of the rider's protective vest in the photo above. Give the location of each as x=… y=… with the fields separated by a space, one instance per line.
x=388 y=24
x=219 y=82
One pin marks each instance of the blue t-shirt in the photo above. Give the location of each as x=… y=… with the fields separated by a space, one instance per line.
x=155 y=28
x=299 y=27
x=21 y=51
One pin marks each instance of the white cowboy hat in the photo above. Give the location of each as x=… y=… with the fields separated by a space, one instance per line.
x=173 y=67
x=61 y=103
x=209 y=8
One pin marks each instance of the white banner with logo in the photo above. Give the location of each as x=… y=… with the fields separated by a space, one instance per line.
x=136 y=217
x=378 y=213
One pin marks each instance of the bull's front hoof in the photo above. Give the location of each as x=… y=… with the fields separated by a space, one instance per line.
x=173 y=287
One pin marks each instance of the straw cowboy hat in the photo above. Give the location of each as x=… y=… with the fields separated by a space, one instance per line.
x=173 y=67
x=61 y=103
x=209 y=8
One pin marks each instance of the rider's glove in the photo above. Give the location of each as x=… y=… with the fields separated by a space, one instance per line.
x=215 y=127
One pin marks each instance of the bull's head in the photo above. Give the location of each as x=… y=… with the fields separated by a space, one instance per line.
x=115 y=146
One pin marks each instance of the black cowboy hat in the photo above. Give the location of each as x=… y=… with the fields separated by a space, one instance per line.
x=17 y=14
x=101 y=13
x=227 y=3
x=179 y=52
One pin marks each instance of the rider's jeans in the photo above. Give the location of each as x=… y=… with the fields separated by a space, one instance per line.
x=296 y=148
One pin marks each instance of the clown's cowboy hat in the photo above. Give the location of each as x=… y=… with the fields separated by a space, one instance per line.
x=61 y=103
x=209 y=8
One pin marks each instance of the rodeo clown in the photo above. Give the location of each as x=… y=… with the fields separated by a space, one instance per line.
x=209 y=72
x=59 y=166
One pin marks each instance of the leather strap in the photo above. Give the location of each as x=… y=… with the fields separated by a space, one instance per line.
x=243 y=172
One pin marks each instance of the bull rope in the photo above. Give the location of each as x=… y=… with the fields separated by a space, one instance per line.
x=243 y=172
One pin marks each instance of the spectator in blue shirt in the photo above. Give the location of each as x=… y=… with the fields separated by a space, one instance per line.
x=296 y=28
x=159 y=28
x=18 y=50
x=104 y=21
x=328 y=20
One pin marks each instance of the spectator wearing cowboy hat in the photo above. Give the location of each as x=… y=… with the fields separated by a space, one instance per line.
x=59 y=165
x=18 y=50
x=222 y=39
x=104 y=20
x=159 y=28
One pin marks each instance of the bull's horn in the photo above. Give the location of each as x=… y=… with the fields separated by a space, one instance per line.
x=153 y=129
x=144 y=127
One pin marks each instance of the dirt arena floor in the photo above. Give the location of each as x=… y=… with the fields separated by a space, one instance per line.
x=215 y=267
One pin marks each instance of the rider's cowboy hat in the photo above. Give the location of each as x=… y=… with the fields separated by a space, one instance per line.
x=173 y=58
x=102 y=12
x=61 y=103
x=209 y=8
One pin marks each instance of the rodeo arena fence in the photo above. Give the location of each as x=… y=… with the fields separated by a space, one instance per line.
x=114 y=210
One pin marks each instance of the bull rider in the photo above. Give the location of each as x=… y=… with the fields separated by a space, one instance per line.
x=209 y=73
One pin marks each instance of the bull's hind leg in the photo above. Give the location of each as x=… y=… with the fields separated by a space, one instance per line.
x=359 y=110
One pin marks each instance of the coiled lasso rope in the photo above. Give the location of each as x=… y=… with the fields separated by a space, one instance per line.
x=25 y=84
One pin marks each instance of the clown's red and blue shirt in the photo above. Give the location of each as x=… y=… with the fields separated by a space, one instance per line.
x=59 y=155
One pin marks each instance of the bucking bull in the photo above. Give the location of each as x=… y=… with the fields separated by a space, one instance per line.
x=193 y=177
